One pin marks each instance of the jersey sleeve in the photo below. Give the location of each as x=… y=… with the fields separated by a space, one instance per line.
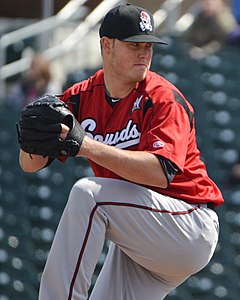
x=167 y=127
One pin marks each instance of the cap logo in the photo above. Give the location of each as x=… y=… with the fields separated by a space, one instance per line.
x=145 y=23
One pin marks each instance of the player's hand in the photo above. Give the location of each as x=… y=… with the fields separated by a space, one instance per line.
x=47 y=127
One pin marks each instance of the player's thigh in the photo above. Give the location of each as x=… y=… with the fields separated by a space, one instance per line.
x=160 y=233
x=166 y=236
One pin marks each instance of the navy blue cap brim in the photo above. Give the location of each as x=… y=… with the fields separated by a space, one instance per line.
x=144 y=38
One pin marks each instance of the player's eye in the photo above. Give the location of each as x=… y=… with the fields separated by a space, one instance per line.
x=149 y=45
x=134 y=45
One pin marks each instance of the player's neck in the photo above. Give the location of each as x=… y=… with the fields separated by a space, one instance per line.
x=118 y=90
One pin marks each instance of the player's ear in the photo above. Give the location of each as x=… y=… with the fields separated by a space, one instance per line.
x=106 y=44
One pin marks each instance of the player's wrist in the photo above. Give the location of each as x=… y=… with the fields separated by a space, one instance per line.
x=31 y=163
x=85 y=146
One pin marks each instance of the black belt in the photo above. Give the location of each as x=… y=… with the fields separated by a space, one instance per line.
x=210 y=205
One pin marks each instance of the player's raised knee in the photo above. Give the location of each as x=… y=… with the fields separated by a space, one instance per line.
x=82 y=193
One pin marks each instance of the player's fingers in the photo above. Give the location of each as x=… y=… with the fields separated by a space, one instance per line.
x=64 y=131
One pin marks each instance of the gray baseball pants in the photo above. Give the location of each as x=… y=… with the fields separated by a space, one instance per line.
x=157 y=242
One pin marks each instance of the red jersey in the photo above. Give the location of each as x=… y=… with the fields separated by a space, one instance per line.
x=155 y=117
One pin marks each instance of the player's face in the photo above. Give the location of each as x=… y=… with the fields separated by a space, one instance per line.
x=131 y=61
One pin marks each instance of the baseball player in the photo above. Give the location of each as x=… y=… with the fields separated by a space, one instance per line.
x=151 y=196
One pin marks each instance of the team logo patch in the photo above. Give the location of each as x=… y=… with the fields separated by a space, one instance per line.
x=136 y=104
x=145 y=23
x=158 y=144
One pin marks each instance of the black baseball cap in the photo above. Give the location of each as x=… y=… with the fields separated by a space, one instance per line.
x=129 y=23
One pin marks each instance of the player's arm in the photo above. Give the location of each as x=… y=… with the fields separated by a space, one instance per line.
x=31 y=163
x=137 y=166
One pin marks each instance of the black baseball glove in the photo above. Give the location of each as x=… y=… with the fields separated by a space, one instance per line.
x=39 y=129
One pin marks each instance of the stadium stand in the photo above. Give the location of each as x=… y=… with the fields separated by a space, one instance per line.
x=31 y=204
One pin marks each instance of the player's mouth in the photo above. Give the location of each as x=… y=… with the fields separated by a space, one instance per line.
x=141 y=65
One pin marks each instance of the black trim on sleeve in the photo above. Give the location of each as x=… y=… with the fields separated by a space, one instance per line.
x=147 y=105
x=169 y=168
x=179 y=99
x=74 y=100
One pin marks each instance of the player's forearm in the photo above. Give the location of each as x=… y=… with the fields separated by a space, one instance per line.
x=33 y=164
x=136 y=166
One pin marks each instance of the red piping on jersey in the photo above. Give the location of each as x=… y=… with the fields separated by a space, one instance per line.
x=185 y=212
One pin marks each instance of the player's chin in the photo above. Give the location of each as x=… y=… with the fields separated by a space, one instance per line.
x=140 y=73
